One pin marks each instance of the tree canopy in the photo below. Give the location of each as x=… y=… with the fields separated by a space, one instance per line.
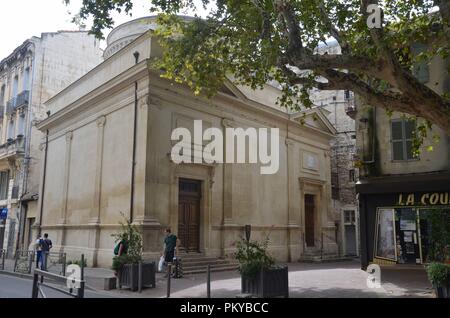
x=258 y=41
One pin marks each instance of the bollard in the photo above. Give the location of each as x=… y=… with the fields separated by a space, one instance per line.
x=30 y=261
x=81 y=289
x=64 y=264
x=169 y=274
x=140 y=277
x=208 y=281
x=34 y=292
x=44 y=265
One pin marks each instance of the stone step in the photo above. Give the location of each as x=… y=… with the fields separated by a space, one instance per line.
x=204 y=262
x=201 y=270
x=190 y=255
x=198 y=259
x=195 y=266
x=323 y=259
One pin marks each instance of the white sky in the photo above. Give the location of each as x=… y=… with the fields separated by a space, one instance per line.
x=22 y=19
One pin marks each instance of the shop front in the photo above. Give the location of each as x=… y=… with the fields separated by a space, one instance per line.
x=396 y=226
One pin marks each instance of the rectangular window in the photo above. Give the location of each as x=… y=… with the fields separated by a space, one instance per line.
x=402 y=133
x=2 y=95
x=26 y=79
x=334 y=186
x=349 y=217
x=15 y=87
x=335 y=193
x=351 y=175
x=4 y=184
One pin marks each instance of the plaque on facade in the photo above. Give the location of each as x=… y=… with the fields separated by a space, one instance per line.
x=310 y=161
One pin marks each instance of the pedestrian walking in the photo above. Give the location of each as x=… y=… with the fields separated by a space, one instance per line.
x=38 y=249
x=171 y=242
x=46 y=246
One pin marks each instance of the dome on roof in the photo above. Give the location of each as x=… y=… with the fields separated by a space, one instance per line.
x=126 y=33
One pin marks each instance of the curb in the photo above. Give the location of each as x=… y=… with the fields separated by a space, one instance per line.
x=30 y=277
x=18 y=275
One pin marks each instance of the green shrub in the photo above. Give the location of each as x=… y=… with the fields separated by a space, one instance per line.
x=253 y=257
x=78 y=262
x=439 y=240
x=133 y=239
x=438 y=274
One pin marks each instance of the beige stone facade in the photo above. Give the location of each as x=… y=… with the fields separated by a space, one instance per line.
x=93 y=172
x=383 y=159
x=35 y=71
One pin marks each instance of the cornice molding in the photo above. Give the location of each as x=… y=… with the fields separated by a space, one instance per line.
x=119 y=82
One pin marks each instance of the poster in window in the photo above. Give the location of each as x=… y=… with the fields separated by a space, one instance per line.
x=385 y=240
x=407 y=225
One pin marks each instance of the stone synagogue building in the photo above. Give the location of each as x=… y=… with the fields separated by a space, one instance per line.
x=106 y=153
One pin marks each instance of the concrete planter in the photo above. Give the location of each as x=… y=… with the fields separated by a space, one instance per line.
x=128 y=276
x=267 y=283
x=443 y=291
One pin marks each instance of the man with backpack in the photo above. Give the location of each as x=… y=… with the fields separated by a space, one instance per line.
x=121 y=247
x=46 y=245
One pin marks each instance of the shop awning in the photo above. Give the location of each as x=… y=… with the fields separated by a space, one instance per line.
x=436 y=181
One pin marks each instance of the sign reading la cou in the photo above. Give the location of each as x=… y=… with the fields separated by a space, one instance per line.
x=437 y=198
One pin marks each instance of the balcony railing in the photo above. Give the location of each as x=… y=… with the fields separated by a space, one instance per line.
x=13 y=147
x=11 y=106
x=20 y=100
x=15 y=193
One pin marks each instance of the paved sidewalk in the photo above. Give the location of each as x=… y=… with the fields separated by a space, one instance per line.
x=306 y=280
x=328 y=280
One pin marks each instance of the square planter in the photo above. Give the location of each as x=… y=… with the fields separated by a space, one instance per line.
x=443 y=292
x=267 y=283
x=128 y=276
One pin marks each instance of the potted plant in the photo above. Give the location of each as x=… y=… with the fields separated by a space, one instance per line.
x=260 y=276
x=127 y=264
x=439 y=276
x=438 y=269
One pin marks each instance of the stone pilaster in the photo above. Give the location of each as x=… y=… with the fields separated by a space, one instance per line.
x=63 y=215
x=144 y=215
x=227 y=181
x=96 y=209
x=293 y=218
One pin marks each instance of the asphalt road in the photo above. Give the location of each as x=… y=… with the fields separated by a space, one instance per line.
x=15 y=287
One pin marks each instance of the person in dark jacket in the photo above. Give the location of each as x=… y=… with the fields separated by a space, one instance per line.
x=46 y=245
x=171 y=243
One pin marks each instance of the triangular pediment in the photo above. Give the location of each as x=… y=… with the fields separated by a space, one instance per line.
x=230 y=89
x=314 y=118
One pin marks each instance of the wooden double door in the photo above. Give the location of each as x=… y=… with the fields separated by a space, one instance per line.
x=189 y=215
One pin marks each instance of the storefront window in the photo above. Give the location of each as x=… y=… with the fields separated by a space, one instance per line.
x=406 y=236
x=385 y=247
x=413 y=235
x=435 y=234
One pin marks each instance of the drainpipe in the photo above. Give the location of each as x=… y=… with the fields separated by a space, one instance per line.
x=43 y=182
x=133 y=164
x=373 y=137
